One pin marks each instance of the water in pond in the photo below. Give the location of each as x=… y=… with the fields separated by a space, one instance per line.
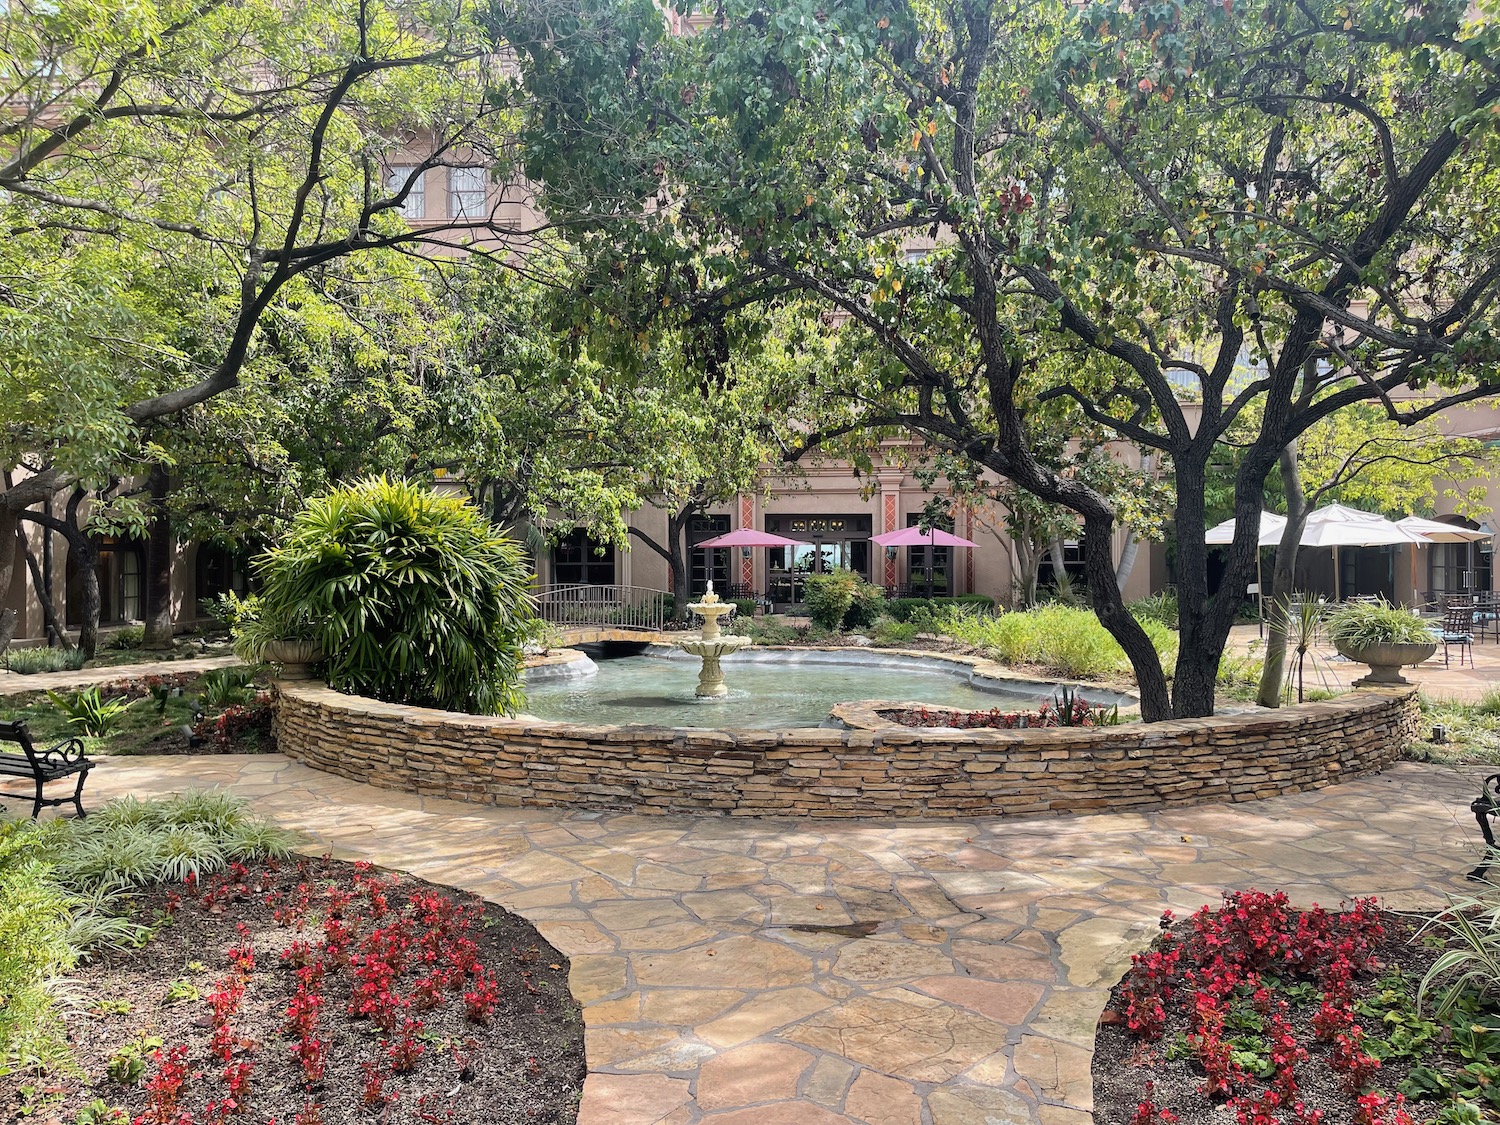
x=762 y=693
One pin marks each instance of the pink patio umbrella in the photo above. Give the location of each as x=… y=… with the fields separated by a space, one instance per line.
x=915 y=537
x=749 y=537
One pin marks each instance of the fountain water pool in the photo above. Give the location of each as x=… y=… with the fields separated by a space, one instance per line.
x=772 y=689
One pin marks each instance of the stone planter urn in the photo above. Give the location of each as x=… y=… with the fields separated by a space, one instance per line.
x=294 y=656
x=1387 y=659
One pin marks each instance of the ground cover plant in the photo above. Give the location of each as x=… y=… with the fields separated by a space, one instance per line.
x=224 y=710
x=258 y=989
x=1469 y=731
x=65 y=895
x=1262 y=1014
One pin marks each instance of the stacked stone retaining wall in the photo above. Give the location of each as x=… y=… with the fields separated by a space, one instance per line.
x=884 y=770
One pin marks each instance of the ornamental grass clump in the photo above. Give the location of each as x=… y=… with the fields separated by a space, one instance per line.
x=411 y=596
x=1068 y=640
x=1361 y=624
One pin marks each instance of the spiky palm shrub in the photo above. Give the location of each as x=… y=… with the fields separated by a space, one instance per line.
x=413 y=597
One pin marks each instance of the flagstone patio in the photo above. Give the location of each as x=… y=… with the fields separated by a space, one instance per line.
x=757 y=972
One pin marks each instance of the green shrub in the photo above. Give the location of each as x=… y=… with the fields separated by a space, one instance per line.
x=413 y=597
x=903 y=609
x=1357 y=624
x=228 y=608
x=744 y=607
x=866 y=606
x=28 y=661
x=1161 y=608
x=769 y=631
x=893 y=634
x=127 y=636
x=1066 y=640
x=89 y=713
x=827 y=597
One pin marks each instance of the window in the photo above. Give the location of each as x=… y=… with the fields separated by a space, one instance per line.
x=578 y=561
x=834 y=543
x=130 y=586
x=929 y=572
x=1457 y=568
x=466 y=192
x=415 y=206
x=217 y=572
x=711 y=562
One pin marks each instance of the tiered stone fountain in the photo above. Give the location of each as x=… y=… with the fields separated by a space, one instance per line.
x=710 y=644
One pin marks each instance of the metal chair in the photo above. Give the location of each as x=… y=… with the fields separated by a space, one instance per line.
x=1457 y=629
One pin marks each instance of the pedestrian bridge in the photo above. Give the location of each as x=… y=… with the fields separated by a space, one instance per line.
x=590 y=614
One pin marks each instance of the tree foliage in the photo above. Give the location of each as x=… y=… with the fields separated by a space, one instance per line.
x=177 y=174
x=1272 y=202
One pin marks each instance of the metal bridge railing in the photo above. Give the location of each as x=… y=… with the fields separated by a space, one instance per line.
x=622 y=607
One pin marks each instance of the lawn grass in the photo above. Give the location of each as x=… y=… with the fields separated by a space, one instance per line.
x=136 y=730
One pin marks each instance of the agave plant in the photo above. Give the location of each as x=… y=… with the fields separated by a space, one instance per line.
x=412 y=597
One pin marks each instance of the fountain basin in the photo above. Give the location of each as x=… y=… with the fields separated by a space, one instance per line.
x=780 y=688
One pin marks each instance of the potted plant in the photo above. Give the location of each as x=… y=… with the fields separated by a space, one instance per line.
x=261 y=637
x=1385 y=637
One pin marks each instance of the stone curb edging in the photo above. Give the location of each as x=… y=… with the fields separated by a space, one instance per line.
x=831 y=773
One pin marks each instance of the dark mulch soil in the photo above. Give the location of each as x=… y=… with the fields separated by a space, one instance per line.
x=1123 y=1065
x=525 y=1066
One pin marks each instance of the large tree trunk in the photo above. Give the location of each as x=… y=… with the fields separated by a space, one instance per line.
x=159 y=546
x=1099 y=569
x=1201 y=634
x=56 y=635
x=1283 y=578
x=10 y=529
x=1128 y=555
x=87 y=555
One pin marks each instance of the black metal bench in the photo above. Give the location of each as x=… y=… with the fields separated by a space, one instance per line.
x=41 y=766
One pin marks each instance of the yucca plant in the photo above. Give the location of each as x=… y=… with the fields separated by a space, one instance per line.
x=412 y=597
x=89 y=712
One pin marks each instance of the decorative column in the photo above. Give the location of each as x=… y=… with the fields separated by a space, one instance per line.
x=890 y=511
x=747 y=560
x=968 y=533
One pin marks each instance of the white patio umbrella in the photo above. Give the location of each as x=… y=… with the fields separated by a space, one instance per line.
x=1339 y=526
x=1436 y=531
x=1271 y=526
x=1439 y=532
x=1334 y=526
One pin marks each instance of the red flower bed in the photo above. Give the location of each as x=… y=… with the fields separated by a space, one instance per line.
x=1079 y=713
x=329 y=992
x=1254 y=1009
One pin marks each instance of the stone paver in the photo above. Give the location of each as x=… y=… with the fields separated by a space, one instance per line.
x=725 y=974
